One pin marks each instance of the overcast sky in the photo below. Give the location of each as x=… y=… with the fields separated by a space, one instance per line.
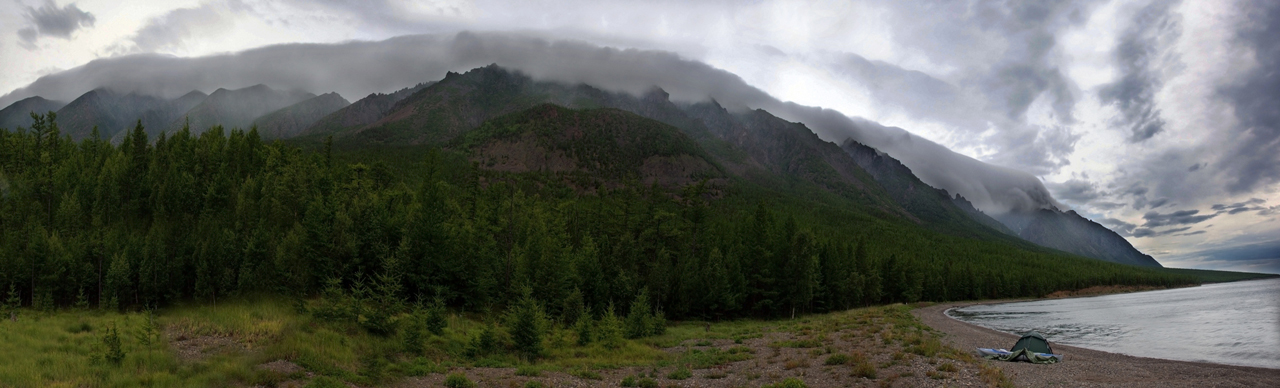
x=1159 y=119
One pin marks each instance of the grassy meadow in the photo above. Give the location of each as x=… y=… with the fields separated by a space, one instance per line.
x=273 y=342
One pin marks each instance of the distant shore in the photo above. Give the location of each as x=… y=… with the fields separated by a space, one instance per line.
x=1091 y=368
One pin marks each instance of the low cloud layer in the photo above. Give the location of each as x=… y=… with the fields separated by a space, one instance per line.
x=49 y=20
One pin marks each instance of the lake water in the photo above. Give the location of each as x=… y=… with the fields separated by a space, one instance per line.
x=1228 y=323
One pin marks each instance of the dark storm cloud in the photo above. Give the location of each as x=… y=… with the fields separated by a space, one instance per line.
x=1241 y=207
x=1191 y=233
x=1159 y=202
x=1124 y=228
x=359 y=68
x=1075 y=190
x=1195 y=167
x=1269 y=211
x=1181 y=217
x=1105 y=205
x=1004 y=59
x=1139 y=195
x=1146 y=232
x=52 y=21
x=1137 y=57
x=1007 y=46
x=1253 y=161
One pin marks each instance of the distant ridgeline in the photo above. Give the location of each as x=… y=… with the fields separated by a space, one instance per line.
x=486 y=184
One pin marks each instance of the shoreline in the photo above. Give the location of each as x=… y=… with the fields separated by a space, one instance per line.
x=1084 y=367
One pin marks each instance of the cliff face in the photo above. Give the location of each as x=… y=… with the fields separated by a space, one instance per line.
x=1070 y=232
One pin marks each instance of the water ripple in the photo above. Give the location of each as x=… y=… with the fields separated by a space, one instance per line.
x=1223 y=323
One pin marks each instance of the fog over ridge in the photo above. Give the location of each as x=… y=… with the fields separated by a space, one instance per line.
x=358 y=68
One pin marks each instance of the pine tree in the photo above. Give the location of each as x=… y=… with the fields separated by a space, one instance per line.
x=609 y=330
x=584 y=330
x=528 y=323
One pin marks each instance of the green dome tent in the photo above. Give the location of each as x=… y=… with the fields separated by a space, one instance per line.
x=1032 y=347
x=1034 y=342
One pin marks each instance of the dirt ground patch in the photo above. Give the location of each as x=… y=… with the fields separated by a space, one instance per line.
x=773 y=356
x=196 y=348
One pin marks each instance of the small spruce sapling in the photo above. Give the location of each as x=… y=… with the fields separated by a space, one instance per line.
x=484 y=343
x=528 y=324
x=413 y=334
x=584 y=329
x=574 y=307
x=111 y=341
x=12 y=303
x=436 y=320
x=609 y=330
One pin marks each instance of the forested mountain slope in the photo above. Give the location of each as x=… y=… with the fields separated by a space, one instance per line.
x=19 y=113
x=752 y=145
x=591 y=147
x=292 y=120
x=106 y=110
x=215 y=214
x=361 y=113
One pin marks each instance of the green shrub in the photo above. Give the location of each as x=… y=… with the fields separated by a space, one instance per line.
x=864 y=369
x=533 y=384
x=647 y=383
x=587 y=374
x=837 y=359
x=790 y=382
x=458 y=380
x=680 y=374
x=528 y=371
x=326 y=382
x=421 y=367
x=629 y=381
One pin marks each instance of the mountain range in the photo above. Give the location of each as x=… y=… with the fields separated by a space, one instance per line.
x=508 y=121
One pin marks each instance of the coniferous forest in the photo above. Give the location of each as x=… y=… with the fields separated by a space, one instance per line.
x=153 y=221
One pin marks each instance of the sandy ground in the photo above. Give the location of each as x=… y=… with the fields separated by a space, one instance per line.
x=1091 y=368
